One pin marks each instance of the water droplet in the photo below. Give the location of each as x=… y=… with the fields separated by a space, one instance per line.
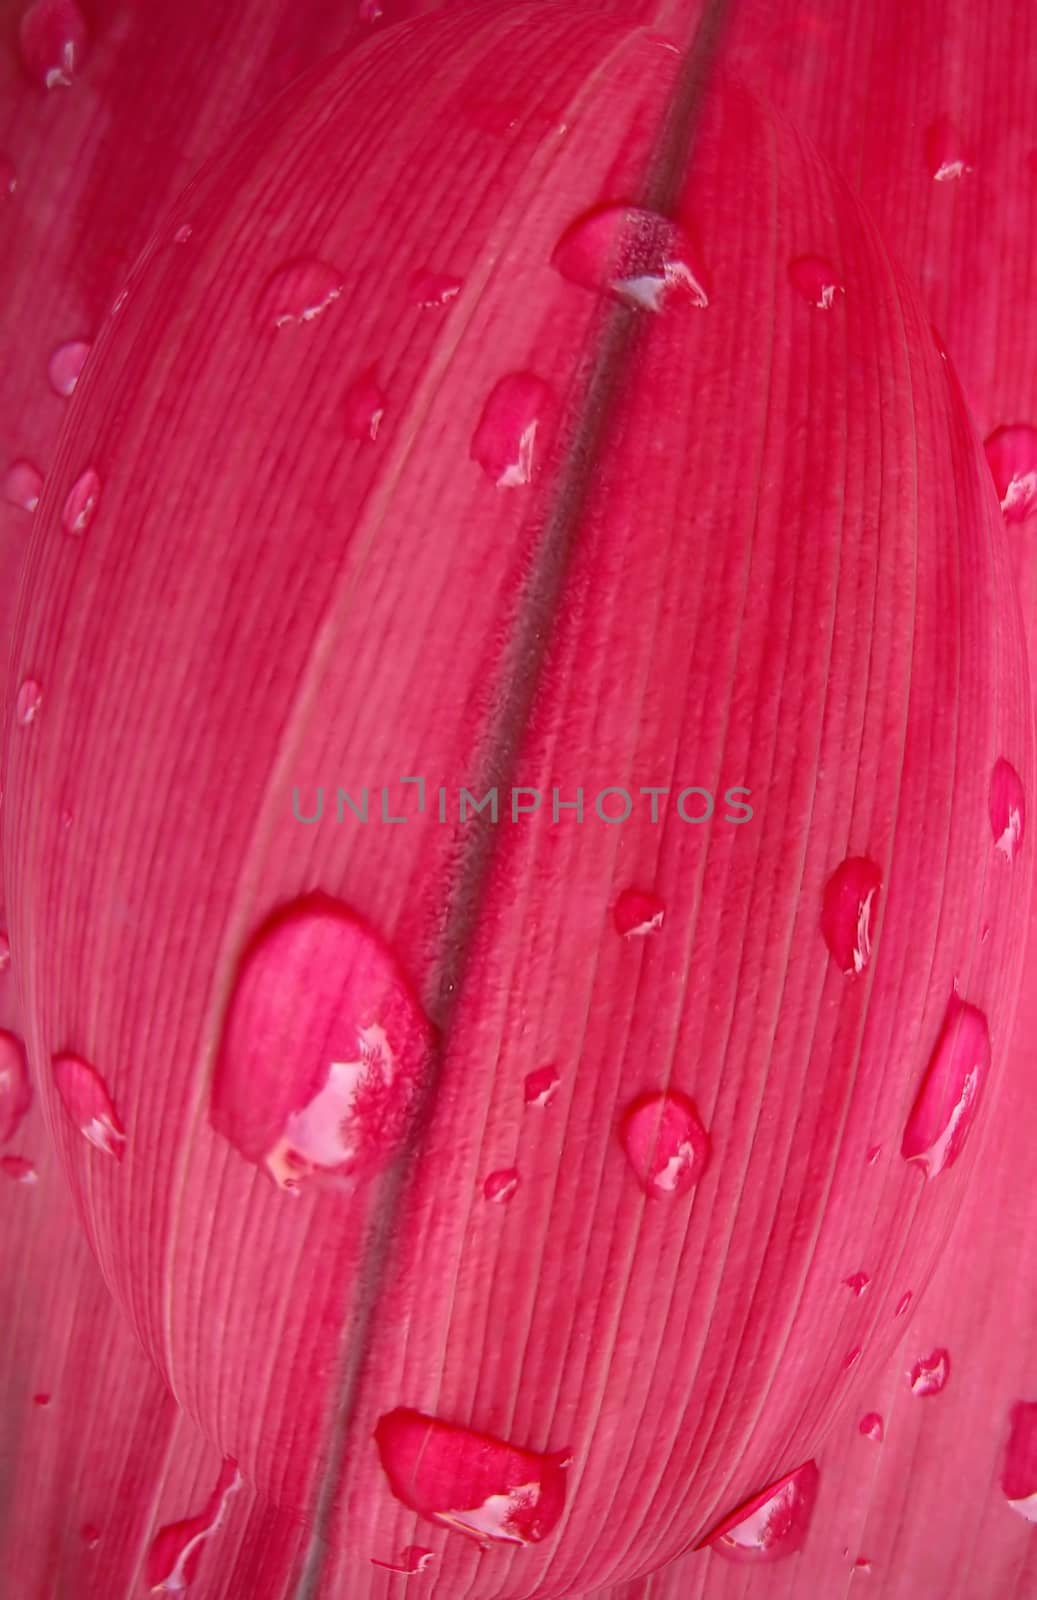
x=640 y=257
x=18 y=1169
x=873 y=1154
x=8 y=176
x=90 y=1535
x=66 y=364
x=298 y=292
x=369 y=10
x=81 y=503
x=415 y=1558
x=816 y=280
x=858 y=1282
x=1012 y=455
x=324 y=1052
x=871 y=1427
x=15 y=1088
x=119 y=301
x=363 y=407
x=434 y=288
x=23 y=485
x=1019 y=1472
x=5 y=948
x=505 y=440
x=929 y=1374
x=851 y=1358
x=88 y=1103
x=848 y=912
x=54 y=42
x=666 y=1144
x=902 y=1304
x=862 y=1564
x=948 y=1099
x=1007 y=809
x=501 y=1186
x=541 y=1086
x=183 y=233
x=175 y=1550
x=945 y=152
x=28 y=702
x=470 y=1482
x=637 y=913
x=773 y=1523
x=41 y=1399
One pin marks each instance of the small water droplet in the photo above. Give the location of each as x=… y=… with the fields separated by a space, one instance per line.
x=541 y=1086
x=1007 y=809
x=15 y=1088
x=505 y=440
x=65 y=365
x=175 y=1550
x=81 y=504
x=88 y=1103
x=501 y=1186
x=871 y=1427
x=643 y=259
x=8 y=176
x=873 y=1154
x=1019 y=1471
x=858 y=1282
x=23 y=485
x=369 y=10
x=324 y=1051
x=183 y=233
x=90 y=1535
x=902 y=1304
x=848 y=912
x=637 y=914
x=470 y=1482
x=298 y=292
x=929 y=1374
x=54 y=42
x=815 y=278
x=774 y=1523
x=949 y=1097
x=851 y=1358
x=28 y=702
x=41 y=1399
x=945 y=152
x=66 y=820
x=666 y=1143
x=414 y=1558
x=1012 y=455
x=434 y=288
x=862 y=1564
x=363 y=407
x=119 y=301
x=5 y=945
x=18 y=1169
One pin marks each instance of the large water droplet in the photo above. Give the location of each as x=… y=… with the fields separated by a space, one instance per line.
x=324 y=1052
x=88 y=1103
x=414 y=1558
x=640 y=257
x=858 y=1282
x=505 y=442
x=815 y=278
x=434 y=288
x=471 y=1482
x=23 y=485
x=66 y=364
x=18 y=1169
x=298 y=292
x=945 y=152
x=849 y=910
x=81 y=502
x=871 y=1427
x=501 y=1186
x=1007 y=809
x=773 y=1523
x=1012 y=454
x=949 y=1097
x=363 y=407
x=666 y=1143
x=27 y=702
x=176 y=1549
x=15 y=1088
x=637 y=913
x=930 y=1373
x=54 y=41
x=541 y=1086
x=1019 y=1472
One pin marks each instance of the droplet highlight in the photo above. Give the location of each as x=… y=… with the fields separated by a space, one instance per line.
x=89 y=1105
x=500 y=1187
x=23 y=485
x=65 y=365
x=637 y=256
x=15 y=1087
x=816 y=280
x=945 y=152
x=1012 y=456
x=541 y=1086
x=298 y=293
x=54 y=40
x=1019 y=1469
x=363 y=407
x=637 y=914
x=8 y=177
x=929 y=1374
x=81 y=503
x=510 y=430
x=176 y=1549
x=871 y=1427
x=28 y=702
x=432 y=289
x=665 y=1143
x=949 y=1097
x=848 y=913
x=773 y=1524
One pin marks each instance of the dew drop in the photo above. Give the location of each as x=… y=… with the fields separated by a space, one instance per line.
x=28 y=702
x=434 y=288
x=5 y=952
x=1019 y=1471
x=871 y=1427
x=816 y=280
x=637 y=913
x=640 y=257
x=1007 y=809
x=541 y=1086
x=505 y=440
x=848 y=912
x=470 y=1482
x=88 y=1103
x=1012 y=455
x=183 y=233
x=81 y=503
x=773 y=1523
x=23 y=485
x=858 y=1282
x=414 y=1558
x=945 y=151
x=929 y=1374
x=54 y=42
x=501 y=1186
x=298 y=292
x=119 y=301
x=325 y=1051
x=862 y=1564
x=41 y=1399
x=902 y=1304
x=873 y=1154
x=369 y=10
x=8 y=176
x=949 y=1097
x=15 y=1088
x=851 y=1358
x=363 y=407
x=665 y=1143
x=65 y=365
x=90 y=1535
x=173 y=1557
x=18 y=1169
